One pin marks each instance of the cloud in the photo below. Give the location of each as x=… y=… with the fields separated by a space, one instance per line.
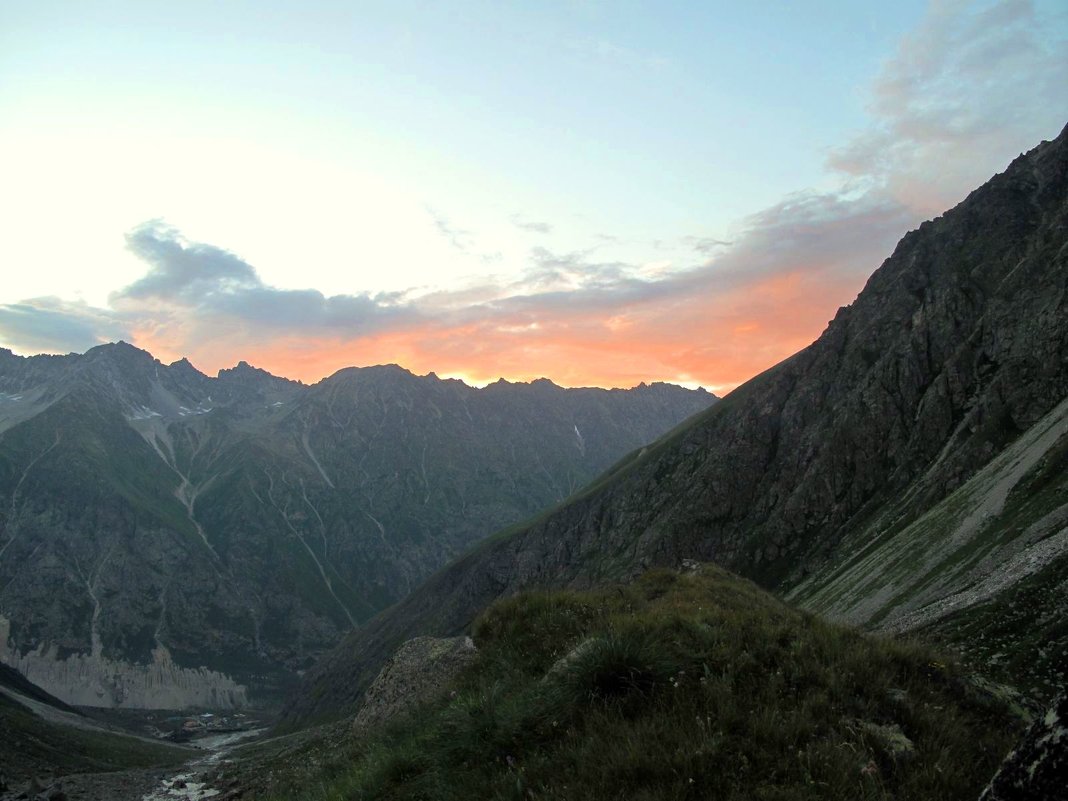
x=705 y=245
x=53 y=325
x=178 y=268
x=530 y=225
x=972 y=84
x=816 y=233
x=457 y=237
x=194 y=292
x=568 y=315
x=569 y=271
x=462 y=239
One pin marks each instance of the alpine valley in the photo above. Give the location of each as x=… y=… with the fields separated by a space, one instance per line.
x=845 y=580
x=905 y=473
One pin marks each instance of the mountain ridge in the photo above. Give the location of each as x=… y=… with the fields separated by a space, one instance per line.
x=957 y=345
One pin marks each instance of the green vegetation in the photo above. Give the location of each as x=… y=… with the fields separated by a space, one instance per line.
x=695 y=685
x=32 y=746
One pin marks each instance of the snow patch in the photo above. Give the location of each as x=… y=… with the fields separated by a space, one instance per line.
x=142 y=413
x=185 y=411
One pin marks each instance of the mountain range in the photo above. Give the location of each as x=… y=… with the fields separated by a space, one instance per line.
x=170 y=539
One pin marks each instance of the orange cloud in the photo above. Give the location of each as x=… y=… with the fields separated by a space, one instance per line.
x=717 y=341
x=716 y=324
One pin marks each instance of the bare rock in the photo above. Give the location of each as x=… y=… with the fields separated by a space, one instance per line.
x=1037 y=769
x=890 y=740
x=419 y=671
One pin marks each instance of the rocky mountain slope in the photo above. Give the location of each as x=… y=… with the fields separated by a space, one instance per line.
x=171 y=539
x=957 y=346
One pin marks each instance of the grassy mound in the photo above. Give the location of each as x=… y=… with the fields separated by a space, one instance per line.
x=697 y=685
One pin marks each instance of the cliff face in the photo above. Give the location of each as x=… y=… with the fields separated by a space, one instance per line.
x=94 y=680
x=168 y=539
x=957 y=345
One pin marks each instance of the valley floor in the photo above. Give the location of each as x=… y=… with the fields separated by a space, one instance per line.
x=107 y=755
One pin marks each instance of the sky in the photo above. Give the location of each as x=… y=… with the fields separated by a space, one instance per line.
x=598 y=193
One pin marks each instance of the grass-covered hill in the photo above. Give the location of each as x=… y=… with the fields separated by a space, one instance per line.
x=678 y=685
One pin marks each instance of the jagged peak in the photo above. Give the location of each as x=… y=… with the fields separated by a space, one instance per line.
x=183 y=365
x=122 y=352
x=119 y=346
x=241 y=368
x=245 y=371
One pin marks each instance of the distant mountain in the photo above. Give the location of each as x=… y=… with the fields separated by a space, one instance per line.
x=905 y=470
x=171 y=539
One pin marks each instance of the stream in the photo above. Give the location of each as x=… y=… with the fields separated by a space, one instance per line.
x=189 y=785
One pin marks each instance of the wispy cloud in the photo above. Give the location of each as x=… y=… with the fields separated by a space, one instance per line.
x=705 y=245
x=970 y=86
x=530 y=225
x=459 y=238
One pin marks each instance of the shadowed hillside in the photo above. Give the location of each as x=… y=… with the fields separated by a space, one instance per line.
x=956 y=347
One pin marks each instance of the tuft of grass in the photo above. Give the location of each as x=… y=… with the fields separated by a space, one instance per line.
x=677 y=686
x=614 y=667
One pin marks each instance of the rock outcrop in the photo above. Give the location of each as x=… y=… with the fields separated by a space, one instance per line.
x=419 y=672
x=94 y=680
x=1037 y=769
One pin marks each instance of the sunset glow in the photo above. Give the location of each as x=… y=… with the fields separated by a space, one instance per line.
x=597 y=196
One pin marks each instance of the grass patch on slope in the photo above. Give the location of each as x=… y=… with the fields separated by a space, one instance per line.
x=31 y=746
x=697 y=685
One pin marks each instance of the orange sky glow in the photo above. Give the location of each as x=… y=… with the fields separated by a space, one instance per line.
x=716 y=341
